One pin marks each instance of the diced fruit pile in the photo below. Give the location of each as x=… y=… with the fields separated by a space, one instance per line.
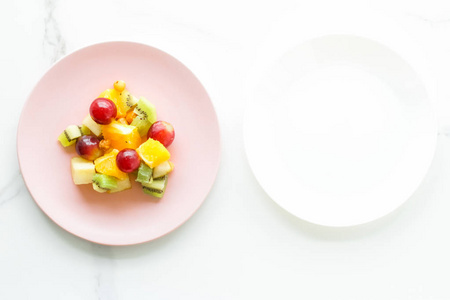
x=119 y=137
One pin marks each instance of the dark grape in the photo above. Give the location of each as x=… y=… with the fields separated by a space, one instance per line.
x=103 y=111
x=128 y=160
x=162 y=132
x=87 y=146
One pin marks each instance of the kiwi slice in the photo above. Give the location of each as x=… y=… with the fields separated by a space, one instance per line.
x=69 y=135
x=122 y=185
x=62 y=138
x=97 y=188
x=146 y=116
x=144 y=174
x=84 y=130
x=157 y=187
x=128 y=99
x=143 y=125
x=104 y=182
x=145 y=110
x=124 y=102
x=131 y=100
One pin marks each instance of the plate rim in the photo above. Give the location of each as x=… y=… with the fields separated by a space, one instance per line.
x=266 y=68
x=216 y=167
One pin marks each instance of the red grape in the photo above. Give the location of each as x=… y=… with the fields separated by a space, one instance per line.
x=162 y=132
x=87 y=146
x=103 y=111
x=128 y=160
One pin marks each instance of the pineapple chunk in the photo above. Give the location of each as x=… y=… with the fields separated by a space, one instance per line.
x=82 y=170
x=162 y=169
x=92 y=125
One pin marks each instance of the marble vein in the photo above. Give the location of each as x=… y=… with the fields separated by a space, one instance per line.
x=54 y=44
x=54 y=47
x=431 y=22
x=104 y=287
x=11 y=189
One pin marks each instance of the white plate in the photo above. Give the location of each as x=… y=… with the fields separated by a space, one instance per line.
x=340 y=130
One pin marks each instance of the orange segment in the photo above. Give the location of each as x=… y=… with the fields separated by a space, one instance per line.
x=153 y=153
x=110 y=94
x=116 y=97
x=121 y=136
x=107 y=165
x=130 y=116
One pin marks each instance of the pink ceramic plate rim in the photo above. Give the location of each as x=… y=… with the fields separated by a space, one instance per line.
x=214 y=166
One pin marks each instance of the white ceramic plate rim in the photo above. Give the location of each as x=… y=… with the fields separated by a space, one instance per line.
x=305 y=216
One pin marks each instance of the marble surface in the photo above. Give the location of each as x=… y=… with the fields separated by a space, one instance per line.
x=239 y=245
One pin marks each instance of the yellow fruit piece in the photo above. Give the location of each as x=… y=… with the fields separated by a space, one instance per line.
x=130 y=116
x=119 y=85
x=153 y=153
x=122 y=106
x=121 y=136
x=107 y=165
x=110 y=94
x=122 y=121
x=119 y=99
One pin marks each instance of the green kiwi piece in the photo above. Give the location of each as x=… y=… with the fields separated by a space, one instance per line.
x=85 y=130
x=143 y=125
x=62 y=138
x=122 y=185
x=144 y=174
x=128 y=99
x=69 y=135
x=97 y=188
x=72 y=132
x=104 y=182
x=157 y=187
x=145 y=110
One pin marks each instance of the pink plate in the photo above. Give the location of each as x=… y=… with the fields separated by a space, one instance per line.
x=62 y=97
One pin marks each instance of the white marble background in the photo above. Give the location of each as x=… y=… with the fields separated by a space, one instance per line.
x=239 y=245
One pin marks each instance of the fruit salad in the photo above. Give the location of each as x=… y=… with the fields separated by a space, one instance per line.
x=121 y=138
